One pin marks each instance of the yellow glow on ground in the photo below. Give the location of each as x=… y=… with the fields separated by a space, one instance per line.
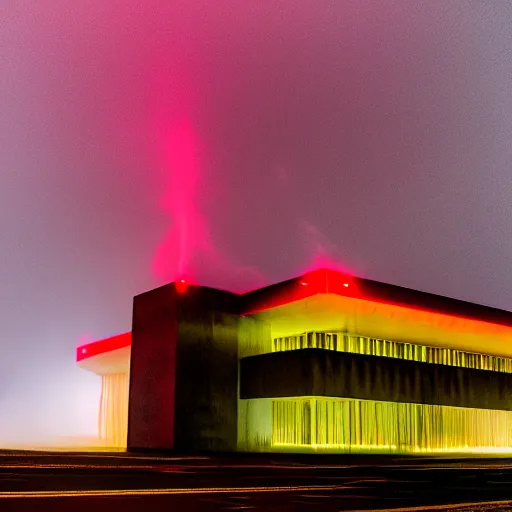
x=153 y=492
x=375 y=448
x=452 y=506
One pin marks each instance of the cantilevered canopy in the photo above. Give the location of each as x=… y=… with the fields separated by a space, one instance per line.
x=335 y=313
x=108 y=356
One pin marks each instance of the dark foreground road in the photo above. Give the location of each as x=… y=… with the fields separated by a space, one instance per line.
x=118 y=482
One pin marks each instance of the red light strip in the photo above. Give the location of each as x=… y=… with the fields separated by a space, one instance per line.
x=325 y=281
x=102 y=346
x=303 y=287
x=321 y=281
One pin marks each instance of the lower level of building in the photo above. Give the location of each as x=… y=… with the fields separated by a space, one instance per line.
x=337 y=424
x=340 y=425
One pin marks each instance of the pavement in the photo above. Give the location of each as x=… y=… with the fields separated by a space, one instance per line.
x=114 y=482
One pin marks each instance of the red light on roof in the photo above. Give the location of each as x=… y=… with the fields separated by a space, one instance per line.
x=106 y=345
x=181 y=286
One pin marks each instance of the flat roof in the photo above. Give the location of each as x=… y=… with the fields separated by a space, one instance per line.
x=107 y=355
x=326 y=281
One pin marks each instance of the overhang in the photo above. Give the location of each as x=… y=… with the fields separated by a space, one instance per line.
x=336 y=313
x=108 y=356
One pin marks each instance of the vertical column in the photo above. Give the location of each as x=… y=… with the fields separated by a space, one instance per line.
x=184 y=369
x=152 y=370
x=314 y=436
x=206 y=374
x=114 y=409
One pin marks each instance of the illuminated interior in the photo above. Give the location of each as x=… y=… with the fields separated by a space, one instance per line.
x=350 y=321
x=359 y=426
x=335 y=313
x=110 y=358
x=353 y=343
x=113 y=418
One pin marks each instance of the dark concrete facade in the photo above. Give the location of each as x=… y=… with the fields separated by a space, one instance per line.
x=152 y=370
x=318 y=372
x=206 y=381
x=184 y=370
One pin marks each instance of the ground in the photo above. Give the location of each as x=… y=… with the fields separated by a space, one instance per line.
x=120 y=482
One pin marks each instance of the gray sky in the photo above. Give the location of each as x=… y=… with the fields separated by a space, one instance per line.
x=238 y=141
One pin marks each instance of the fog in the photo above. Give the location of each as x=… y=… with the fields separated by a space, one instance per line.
x=236 y=143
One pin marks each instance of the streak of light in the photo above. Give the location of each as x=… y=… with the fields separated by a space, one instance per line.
x=151 y=492
x=162 y=467
x=184 y=467
x=456 y=468
x=95 y=466
x=452 y=506
x=101 y=455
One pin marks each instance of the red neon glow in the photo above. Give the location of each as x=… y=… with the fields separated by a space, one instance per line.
x=102 y=346
x=188 y=232
x=181 y=286
x=322 y=259
x=332 y=282
x=323 y=281
x=187 y=249
x=312 y=283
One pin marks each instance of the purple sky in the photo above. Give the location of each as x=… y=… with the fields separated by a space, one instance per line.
x=376 y=133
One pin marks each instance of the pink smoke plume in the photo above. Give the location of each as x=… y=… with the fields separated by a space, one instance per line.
x=84 y=339
x=321 y=249
x=187 y=251
x=188 y=232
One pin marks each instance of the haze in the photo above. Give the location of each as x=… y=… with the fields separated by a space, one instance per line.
x=236 y=143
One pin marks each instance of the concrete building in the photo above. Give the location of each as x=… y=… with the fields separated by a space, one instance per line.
x=324 y=362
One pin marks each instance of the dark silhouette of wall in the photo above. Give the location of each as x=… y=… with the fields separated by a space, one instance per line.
x=184 y=370
x=319 y=372
x=152 y=369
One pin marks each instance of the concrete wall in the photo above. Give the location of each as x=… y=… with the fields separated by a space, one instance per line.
x=206 y=381
x=152 y=370
x=184 y=370
x=254 y=337
x=317 y=372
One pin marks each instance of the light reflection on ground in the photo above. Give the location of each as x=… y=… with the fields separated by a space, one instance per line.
x=79 y=482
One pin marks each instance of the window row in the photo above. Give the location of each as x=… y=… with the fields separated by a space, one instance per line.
x=344 y=342
x=395 y=427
